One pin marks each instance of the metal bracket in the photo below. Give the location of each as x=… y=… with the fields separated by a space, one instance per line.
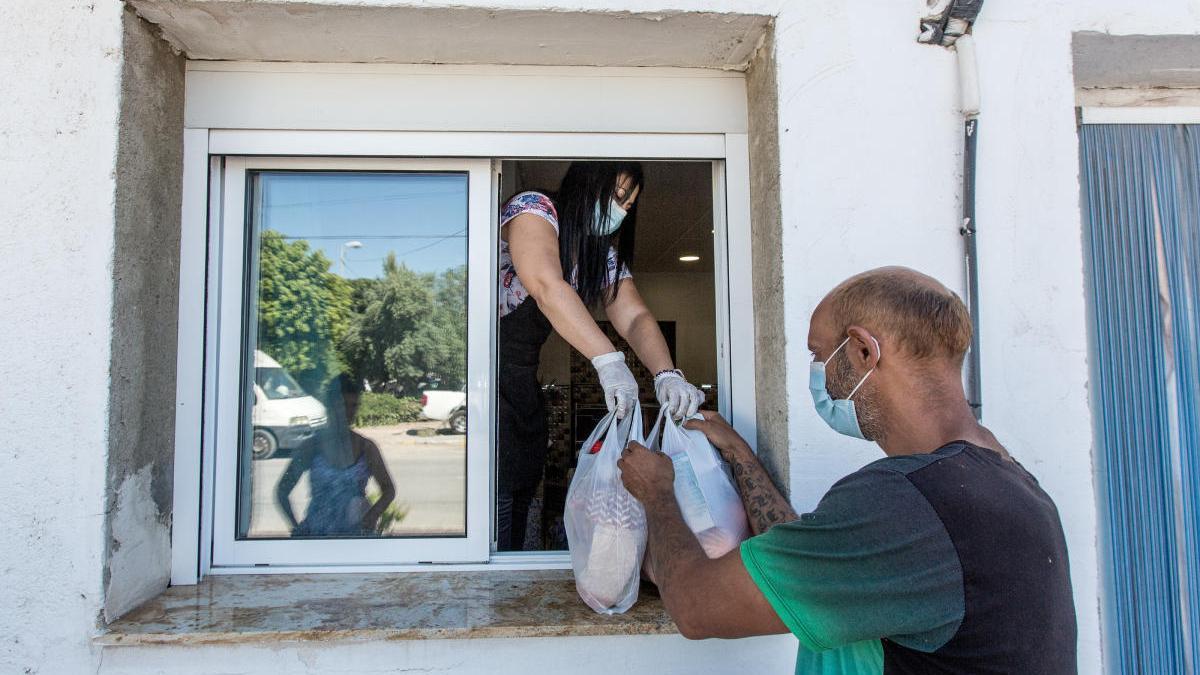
x=947 y=21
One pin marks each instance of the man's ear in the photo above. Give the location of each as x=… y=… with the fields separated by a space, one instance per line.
x=862 y=349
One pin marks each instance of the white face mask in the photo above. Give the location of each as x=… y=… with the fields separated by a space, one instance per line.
x=616 y=215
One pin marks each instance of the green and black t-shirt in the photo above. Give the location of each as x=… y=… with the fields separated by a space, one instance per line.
x=950 y=562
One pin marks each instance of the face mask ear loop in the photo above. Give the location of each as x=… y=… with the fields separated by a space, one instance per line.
x=835 y=351
x=864 y=380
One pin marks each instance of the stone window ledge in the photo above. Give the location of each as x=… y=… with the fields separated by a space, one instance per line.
x=400 y=606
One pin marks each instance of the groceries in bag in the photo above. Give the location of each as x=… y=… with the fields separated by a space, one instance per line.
x=606 y=526
x=704 y=488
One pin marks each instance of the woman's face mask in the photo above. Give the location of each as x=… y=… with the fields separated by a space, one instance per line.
x=604 y=227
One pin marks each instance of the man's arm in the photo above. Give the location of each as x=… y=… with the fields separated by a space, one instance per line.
x=706 y=598
x=765 y=505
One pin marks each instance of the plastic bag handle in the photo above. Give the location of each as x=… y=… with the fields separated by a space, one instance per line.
x=635 y=427
x=624 y=429
x=656 y=431
x=699 y=460
x=598 y=434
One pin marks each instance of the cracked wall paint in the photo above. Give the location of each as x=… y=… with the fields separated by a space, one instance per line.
x=139 y=555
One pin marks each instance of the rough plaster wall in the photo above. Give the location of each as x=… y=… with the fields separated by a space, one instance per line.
x=144 y=319
x=61 y=67
x=650 y=654
x=771 y=378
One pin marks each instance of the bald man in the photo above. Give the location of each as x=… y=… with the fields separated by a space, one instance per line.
x=943 y=557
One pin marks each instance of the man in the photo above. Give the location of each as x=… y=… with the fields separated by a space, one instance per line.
x=944 y=557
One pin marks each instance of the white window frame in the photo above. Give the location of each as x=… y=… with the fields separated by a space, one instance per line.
x=671 y=129
x=227 y=331
x=1146 y=114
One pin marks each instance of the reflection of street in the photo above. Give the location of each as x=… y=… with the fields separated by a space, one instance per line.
x=427 y=465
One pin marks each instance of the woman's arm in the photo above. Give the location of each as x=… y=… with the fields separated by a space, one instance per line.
x=287 y=482
x=534 y=248
x=634 y=322
x=387 y=490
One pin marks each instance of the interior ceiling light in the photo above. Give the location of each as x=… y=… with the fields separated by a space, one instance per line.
x=688 y=258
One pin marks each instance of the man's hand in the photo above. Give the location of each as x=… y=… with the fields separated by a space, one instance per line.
x=648 y=475
x=719 y=433
x=765 y=505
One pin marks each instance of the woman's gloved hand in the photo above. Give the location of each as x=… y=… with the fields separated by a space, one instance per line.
x=676 y=395
x=620 y=389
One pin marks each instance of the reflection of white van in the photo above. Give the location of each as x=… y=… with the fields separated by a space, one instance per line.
x=284 y=415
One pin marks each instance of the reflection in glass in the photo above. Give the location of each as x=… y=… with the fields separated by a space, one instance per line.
x=353 y=421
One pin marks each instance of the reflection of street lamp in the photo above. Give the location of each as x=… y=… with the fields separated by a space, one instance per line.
x=342 y=255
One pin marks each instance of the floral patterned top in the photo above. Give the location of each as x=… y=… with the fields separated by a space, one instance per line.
x=512 y=291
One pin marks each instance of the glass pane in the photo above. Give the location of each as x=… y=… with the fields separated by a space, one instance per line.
x=353 y=417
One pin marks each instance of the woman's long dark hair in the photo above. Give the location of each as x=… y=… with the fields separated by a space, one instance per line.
x=578 y=248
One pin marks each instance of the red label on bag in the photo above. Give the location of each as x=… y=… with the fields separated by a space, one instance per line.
x=596 y=447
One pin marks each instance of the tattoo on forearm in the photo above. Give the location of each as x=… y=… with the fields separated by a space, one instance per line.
x=765 y=505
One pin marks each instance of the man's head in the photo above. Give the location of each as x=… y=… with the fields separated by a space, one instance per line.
x=923 y=331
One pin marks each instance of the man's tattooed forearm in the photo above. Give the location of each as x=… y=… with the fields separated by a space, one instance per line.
x=765 y=505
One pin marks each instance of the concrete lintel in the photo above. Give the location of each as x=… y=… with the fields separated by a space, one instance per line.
x=1136 y=61
x=262 y=30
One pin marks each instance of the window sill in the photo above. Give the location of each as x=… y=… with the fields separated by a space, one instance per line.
x=409 y=606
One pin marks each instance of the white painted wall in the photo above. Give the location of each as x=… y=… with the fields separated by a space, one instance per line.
x=660 y=655
x=869 y=160
x=686 y=299
x=58 y=136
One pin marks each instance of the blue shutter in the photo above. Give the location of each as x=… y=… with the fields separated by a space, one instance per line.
x=1141 y=203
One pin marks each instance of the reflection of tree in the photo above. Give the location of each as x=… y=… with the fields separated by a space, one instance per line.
x=409 y=326
x=303 y=309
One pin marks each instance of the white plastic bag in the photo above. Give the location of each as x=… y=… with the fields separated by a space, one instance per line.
x=606 y=526
x=704 y=489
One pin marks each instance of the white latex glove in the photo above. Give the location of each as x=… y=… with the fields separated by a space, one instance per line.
x=620 y=389
x=676 y=395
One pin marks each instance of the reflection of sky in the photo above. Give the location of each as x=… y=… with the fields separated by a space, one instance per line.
x=421 y=217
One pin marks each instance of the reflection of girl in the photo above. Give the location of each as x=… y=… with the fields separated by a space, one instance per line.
x=559 y=258
x=339 y=461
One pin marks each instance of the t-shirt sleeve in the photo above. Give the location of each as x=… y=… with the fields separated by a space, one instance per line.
x=872 y=561
x=613 y=274
x=530 y=202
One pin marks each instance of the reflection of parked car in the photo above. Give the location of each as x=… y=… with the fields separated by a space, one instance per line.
x=446 y=406
x=284 y=415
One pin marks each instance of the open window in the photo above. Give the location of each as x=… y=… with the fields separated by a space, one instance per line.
x=674 y=269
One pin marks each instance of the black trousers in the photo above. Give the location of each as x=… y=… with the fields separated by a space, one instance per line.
x=512 y=517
